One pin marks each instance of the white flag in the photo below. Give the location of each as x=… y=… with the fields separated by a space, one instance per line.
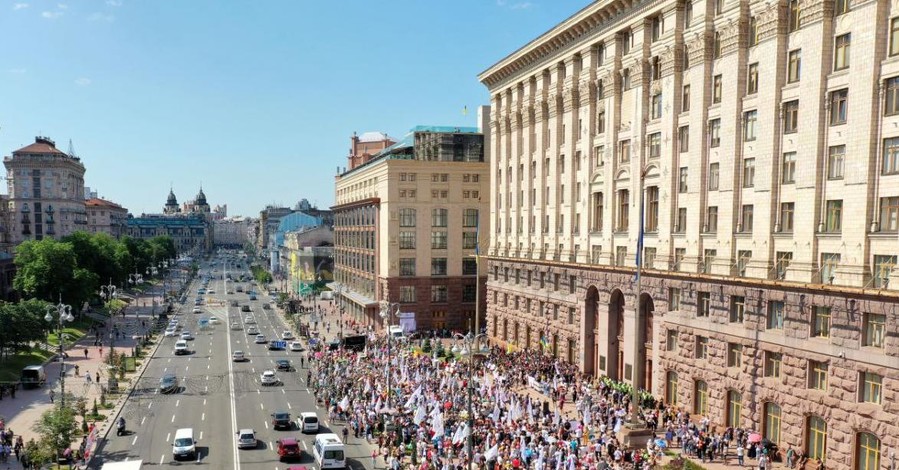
x=491 y=453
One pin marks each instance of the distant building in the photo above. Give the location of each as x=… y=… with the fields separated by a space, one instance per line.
x=232 y=232
x=190 y=226
x=106 y=217
x=364 y=147
x=220 y=212
x=406 y=227
x=307 y=258
x=46 y=192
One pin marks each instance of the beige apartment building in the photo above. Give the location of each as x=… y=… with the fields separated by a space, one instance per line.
x=406 y=227
x=106 y=217
x=762 y=158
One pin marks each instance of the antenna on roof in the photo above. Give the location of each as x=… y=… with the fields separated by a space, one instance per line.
x=71 y=149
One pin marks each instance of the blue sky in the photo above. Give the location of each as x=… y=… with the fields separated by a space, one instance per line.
x=255 y=100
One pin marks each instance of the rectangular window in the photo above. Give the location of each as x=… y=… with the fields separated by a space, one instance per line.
x=601 y=122
x=820 y=322
x=889 y=214
x=682 y=180
x=683 y=139
x=829 y=263
x=652 y=209
x=743 y=257
x=714 y=133
x=708 y=260
x=714 y=176
x=712 y=220
x=734 y=355
x=704 y=304
x=752 y=82
x=786 y=216
x=701 y=398
x=835 y=158
x=671 y=341
x=685 y=99
x=716 y=89
x=775 y=315
x=438 y=240
x=875 y=330
x=839 y=106
x=840 y=7
x=753 y=31
x=834 y=223
x=749 y=124
x=681 y=225
x=702 y=347
x=841 y=51
x=407 y=240
x=883 y=266
x=407 y=266
x=890 y=160
x=772 y=364
x=794 y=65
x=891 y=106
x=439 y=217
x=438 y=266
x=624 y=151
x=748 y=172
x=655 y=103
x=407 y=217
x=470 y=218
x=623 y=208
x=655 y=145
x=679 y=255
x=791 y=116
x=782 y=263
x=737 y=308
x=788 y=169
x=407 y=294
x=438 y=294
x=871 y=388
x=620 y=255
x=817 y=375
x=793 y=19
x=469 y=240
x=674 y=299
x=469 y=267
x=746 y=217
x=894 y=36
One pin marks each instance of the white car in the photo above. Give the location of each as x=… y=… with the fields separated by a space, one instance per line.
x=260 y=339
x=269 y=378
x=249 y=320
x=170 y=331
x=286 y=335
x=296 y=346
x=181 y=348
x=214 y=320
x=252 y=330
x=197 y=310
x=246 y=439
x=236 y=326
x=238 y=356
x=187 y=335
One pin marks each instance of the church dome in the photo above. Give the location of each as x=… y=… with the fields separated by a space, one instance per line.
x=172 y=201
x=201 y=198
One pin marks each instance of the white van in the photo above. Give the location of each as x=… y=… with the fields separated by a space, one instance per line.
x=184 y=446
x=326 y=295
x=395 y=332
x=308 y=422
x=328 y=451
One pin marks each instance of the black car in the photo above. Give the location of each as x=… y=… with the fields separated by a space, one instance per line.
x=283 y=364
x=281 y=420
x=244 y=308
x=168 y=383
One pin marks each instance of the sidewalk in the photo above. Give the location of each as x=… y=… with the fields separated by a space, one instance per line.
x=24 y=411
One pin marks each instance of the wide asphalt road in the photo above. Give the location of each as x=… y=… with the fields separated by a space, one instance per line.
x=217 y=396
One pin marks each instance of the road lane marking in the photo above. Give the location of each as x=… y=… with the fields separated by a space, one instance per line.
x=168 y=436
x=304 y=445
x=142 y=420
x=204 y=402
x=177 y=402
x=208 y=366
x=170 y=359
x=261 y=407
x=186 y=367
x=207 y=377
x=288 y=407
x=150 y=405
x=201 y=435
x=161 y=459
x=207 y=389
x=203 y=417
x=134 y=441
x=233 y=403
x=173 y=419
x=266 y=424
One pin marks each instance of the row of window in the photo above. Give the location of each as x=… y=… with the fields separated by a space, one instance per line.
x=547 y=342
x=542 y=278
x=438 y=267
x=439 y=293
x=439 y=217
x=867 y=445
x=439 y=239
x=443 y=177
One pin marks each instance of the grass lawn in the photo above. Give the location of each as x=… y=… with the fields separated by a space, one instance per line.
x=11 y=367
x=71 y=333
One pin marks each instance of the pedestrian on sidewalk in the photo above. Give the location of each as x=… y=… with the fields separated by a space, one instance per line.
x=85 y=352
x=52 y=395
x=98 y=376
x=76 y=370
x=87 y=378
x=101 y=349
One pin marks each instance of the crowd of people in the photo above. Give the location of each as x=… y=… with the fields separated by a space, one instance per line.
x=420 y=420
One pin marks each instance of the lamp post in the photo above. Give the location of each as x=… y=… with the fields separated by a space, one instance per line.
x=387 y=315
x=64 y=314
x=471 y=346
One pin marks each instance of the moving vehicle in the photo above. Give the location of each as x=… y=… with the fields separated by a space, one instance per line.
x=260 y=339
x=197 y=310
x=395 y=332
x=252 y=296
x=283 y=364
x=187 y=335
x=326 y=295
x=33 y=376
x=184 y=446
x=214 y=320
x=308 y=422
x=269 y=378
x=236 y=326
x=238 y=356
x=266 y=306
x=249 y=320
x=233 y=303
x=181 y=348
x=120 y=426
x=244 y=308
x=170 y=331
x=296 y=346
x=246 y=439
x=168 y=383
x=288 y=449
x=252 y=330
x=328 y=451
x=277 y=345
x=281 y=420
x=286 y=335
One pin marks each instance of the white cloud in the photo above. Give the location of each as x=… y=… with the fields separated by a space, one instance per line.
x=522 y=6
x=17 y=71
x=51 y=15
x=101 y=17
x=62 y=6
x=20 y=6
x=83 y=81
x=114 y=3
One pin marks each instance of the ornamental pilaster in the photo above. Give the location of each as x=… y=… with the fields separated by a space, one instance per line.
x=812 y=11
x=696 y=48
x=569 y=98
x=730 y=37
x=586 y=92
x=555 y=101
x=766 y=22
x=667 y=60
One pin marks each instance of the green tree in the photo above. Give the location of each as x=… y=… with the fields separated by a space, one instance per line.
x=20 y=324
x=45 y=268
x=57 y=429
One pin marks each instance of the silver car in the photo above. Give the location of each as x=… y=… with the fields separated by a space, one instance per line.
x=246 y=439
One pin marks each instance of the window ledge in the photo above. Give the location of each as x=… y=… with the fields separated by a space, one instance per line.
x=830 y=235
x=782 y=234
x=883 y=235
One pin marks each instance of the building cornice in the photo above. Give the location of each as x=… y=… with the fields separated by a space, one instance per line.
x=360 y=203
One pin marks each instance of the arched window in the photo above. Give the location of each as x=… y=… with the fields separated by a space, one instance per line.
x=816 y=438
x=867 y=456
x=671 y=388
x=734 y=408
x=772 y=422
x=701 y=398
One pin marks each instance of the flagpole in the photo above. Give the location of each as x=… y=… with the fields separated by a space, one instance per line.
x=638 y=333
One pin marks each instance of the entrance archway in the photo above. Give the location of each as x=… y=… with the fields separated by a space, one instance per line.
x=591 y=320
x=645 y=347
x=615 y=327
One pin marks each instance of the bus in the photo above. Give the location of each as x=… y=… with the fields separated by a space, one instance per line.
x=328 y=451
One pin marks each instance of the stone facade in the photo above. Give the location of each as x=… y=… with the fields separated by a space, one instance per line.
x=106 y=217
x=759 y=168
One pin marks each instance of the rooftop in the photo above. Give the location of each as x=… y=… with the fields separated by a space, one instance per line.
x=97 y=202
x=374 y=137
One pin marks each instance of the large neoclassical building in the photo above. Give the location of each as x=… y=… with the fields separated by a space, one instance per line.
x=761 y=158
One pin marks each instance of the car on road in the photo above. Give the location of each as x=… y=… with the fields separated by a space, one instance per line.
x=249 y=320
x=211 y=291
x=238 y=356
x=236 y=326
x=197 y=310
x=276 y=345
x=260 y=339
x=244 y=308
x=246 y=439
x=281 y=420
x=297 y=346
x=184 y=446
x=233 y=303
x=266 y=306
x=308 y=422
x=286 y=335
x=168 y=383
x=170 y=331
x=181 y=348
x=288 y=449
x=214 y=320
x=187 y=335
x=252 y=330
x=283 y=364
x=269 y=378
x=230 y=292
